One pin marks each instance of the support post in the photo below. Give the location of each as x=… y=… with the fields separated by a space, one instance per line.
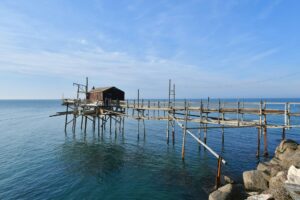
x=265 y=133
x=98 y=125
x=81 y=122
x=138 y=111
x=205 y=134
x=85 y=124
x=169 y=102
x=283 y=134
x=66 y=121
x=258 y=142
x=148 y=109
x=218 y=178
x=238 y=113
x=110 y=124
x=184 y=132
x=223 y=135
x=94 y=123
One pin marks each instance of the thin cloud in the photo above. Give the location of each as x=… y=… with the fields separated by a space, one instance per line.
x=267 y=11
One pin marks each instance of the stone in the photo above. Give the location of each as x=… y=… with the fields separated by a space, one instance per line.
x=288 y=153
x=277 y=181
x=293 y=176
x=275 y=161
x=276 y=186
x=265 y=166
x=226 y=179
x=261 y=197
x=286 y=144
x=229 y=192
x=223 y=193
x=254 y=181
x=252 y=193
x=286 y=147
x=275 y=169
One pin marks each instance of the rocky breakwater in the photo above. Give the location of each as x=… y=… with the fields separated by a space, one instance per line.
x=271 y=180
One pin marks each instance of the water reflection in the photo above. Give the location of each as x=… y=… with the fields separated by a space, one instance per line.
x=92 y=158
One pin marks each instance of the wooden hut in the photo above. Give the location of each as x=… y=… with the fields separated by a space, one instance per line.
x=105 y=94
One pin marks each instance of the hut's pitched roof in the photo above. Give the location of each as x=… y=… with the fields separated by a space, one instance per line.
x=101 y=89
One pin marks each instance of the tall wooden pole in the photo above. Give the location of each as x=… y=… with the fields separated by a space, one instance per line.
x=184 y=132
x=168 y=124
x=258 y=142
x=173 y=112
x=66 y=121
x=218 y=178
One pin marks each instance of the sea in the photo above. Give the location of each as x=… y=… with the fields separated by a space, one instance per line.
x=39 y=160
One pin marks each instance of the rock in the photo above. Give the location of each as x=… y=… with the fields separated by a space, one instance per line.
x=254 y=181
x=277 y=181
x=252 y=193
x=269 y=169
x=261 y=197
x=275 y=161
x=223 y=193
x=276 y=186
x=265 y=166
x=229 y=192
x=293 y=176
x=275 y=169
x=288 y=153
x=286 y=144
x=226 y=179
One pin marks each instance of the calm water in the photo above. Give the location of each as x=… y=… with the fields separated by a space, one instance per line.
x=38 y=161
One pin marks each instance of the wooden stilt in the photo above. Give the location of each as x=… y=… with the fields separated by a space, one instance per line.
x=81 y=124
x=223 y=136
x=101 y=120
x=265 y=133
x=169 y=107
x=123 y=119
x=85 y=124
x=116 y=124
x=109 y=124
x=184 y=133
x=66 y=121
x=218 y=178
x=148 y=109
x=258 y=142
x=265 y=142
x=74 y=122
x=173 y=132
x=144 y=128
x=283 y=134
x=205 y=134
x=238 y=113
x=105 y=120
x=98 y=125
x=94 y=123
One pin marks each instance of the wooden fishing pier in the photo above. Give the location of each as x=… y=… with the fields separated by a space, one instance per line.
x=107 y=108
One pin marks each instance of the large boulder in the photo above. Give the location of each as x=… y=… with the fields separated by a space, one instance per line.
x=276 y=187
x=261 y=197
x=254 y=180
x=269 y=169
x=293 y=176
x=288 y=153
x=226 y=179
x=229 y=192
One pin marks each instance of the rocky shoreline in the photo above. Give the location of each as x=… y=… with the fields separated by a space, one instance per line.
x=271 y=180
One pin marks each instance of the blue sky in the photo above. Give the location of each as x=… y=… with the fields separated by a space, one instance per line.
x=221 y=49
